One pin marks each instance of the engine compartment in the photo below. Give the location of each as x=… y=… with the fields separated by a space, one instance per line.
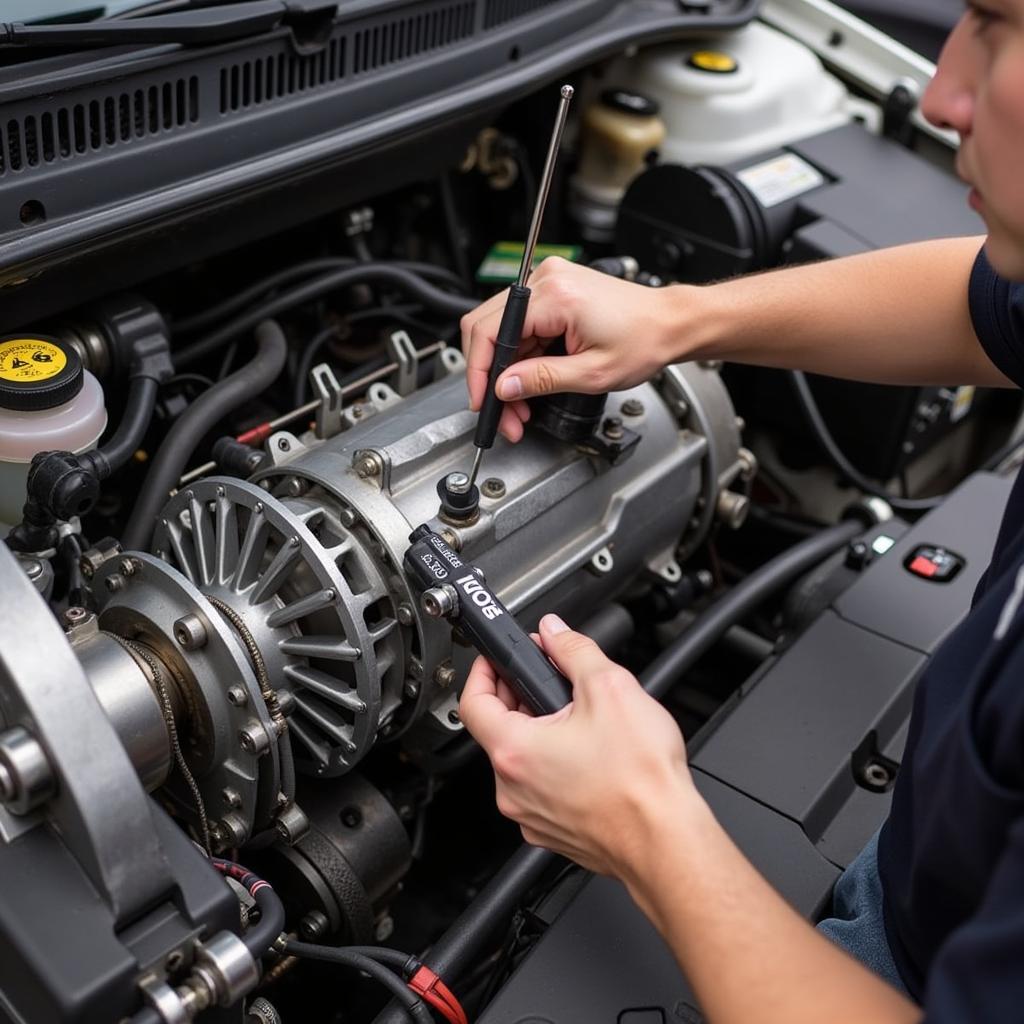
x=232 y=385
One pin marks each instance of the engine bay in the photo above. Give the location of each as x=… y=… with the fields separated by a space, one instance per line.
x=234 y=261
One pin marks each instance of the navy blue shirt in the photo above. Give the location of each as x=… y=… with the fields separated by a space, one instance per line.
x=951 y=855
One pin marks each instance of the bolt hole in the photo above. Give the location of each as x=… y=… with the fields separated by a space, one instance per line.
x=514 y=54
x=32 y=212
x=836 y=39
x=351 y=817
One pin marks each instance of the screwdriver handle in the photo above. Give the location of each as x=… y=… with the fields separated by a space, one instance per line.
x=506 y=345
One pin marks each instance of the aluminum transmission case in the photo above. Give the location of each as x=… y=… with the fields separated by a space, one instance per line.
x=305 y=558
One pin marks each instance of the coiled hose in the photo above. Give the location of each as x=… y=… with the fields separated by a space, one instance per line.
x=194 y=424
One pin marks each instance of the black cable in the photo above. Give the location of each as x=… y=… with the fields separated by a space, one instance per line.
x=207 y=317
x=735 y=605
x=404 y=963
x=841 y=462
x=382 y=273
x=410 y=1002
x=195 y=422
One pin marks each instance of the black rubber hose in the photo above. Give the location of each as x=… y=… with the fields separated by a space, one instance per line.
x=384 y=273
x=675 y=660
x=482 y=921
x=267 y=930
x=207 y=317
x=195 y=422
x=125 y=441
x=410 y=1004
x=839 y=459
x=456 y=950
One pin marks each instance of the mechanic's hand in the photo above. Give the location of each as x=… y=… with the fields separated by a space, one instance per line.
x=593 y=781
x=616 y=336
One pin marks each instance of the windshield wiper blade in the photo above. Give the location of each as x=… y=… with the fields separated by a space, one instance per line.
x=189 y=28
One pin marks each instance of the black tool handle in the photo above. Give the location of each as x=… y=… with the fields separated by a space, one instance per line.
x=487 y=624
x=506 y=345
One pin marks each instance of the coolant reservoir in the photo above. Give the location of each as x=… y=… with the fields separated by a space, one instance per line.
x=744 y=92
x=618 y=133
x=48 y=402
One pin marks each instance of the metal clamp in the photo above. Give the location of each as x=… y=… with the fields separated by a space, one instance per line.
x=329 y=420
x=403 y=352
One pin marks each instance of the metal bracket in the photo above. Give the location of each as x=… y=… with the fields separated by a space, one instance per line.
x=328 y=413
x=403 y=352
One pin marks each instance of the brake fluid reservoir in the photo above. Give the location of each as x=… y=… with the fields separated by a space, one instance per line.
x=48 y=402
x=619 y=131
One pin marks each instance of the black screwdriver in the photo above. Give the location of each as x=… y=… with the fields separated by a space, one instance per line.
x=510 y=330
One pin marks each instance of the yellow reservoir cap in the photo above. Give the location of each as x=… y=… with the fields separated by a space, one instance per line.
x=715 y=61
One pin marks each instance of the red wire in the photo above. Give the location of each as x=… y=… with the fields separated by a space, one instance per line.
x=429 y=986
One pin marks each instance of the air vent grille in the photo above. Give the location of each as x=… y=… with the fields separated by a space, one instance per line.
x=253 y=82
x=499 y=12
x=402 y=38
x=85 y=127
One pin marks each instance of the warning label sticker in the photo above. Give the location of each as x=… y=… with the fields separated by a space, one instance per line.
x=781 y=178
x=28 y=359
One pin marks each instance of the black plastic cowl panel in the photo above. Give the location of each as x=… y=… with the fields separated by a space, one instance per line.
x=107 y=145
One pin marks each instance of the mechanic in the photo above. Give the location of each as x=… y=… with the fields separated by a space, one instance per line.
x=932 y=910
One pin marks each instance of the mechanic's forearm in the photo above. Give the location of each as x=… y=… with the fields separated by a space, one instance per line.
x=894 y=316
x=747 y=954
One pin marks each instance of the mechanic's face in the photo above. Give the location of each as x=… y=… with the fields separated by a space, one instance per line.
x=978 y=91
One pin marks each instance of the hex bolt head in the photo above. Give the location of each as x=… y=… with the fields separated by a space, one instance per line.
x=405 y=614
x=237 y=696
x=632 y=407
x=190 y=632
x=75 y=616
x=230 y=831
x=612 y=428
x=444 y=675
x=253 y=739
x=114 y=583
x=314 y=926
x=368 y=465
x=493 y=487
x=231 y=797
x=457 y=483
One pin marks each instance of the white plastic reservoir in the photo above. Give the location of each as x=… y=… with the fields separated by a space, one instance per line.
x=48 y=402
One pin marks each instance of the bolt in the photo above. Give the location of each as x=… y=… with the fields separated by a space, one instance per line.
x=438 y=601
x=493 y=487
x=368 y=466
x=358 y=411
x=294 y=487
x=444 y=675
x=877 y=774
x=348 y=517
x=405 y=614
x=314 y=926
x=75 y=617
x=33 y=568
x=190 y=632
x=291 y=824
x=632 y=407
x=732 y=509
x=114 y=583
x=231 y=797
x=283 y=444
x=453 y=717
x=26 y=778
x=237 y=696
x=230 y=831
x=412 y=689
x=253 y=739
x=129 y=567
x=612 y=428
x=457 y=483
x=385 y=928
x=286 y=702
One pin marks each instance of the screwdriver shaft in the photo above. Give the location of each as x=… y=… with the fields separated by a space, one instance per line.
x=545 y=185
